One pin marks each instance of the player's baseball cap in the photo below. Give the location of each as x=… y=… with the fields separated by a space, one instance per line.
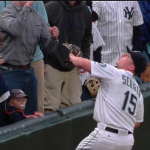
x=139 y=60
x=17 y=93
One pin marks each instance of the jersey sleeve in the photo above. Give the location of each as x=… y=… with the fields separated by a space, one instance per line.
x=137 y=16
x=139 y=113
x=103 y=71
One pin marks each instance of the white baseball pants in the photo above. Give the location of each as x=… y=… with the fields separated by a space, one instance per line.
x=100 y=139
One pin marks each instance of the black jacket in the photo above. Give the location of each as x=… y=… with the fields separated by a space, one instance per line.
x=74 y=24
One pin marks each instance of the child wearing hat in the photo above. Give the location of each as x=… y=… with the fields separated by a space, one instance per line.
x=16 y=105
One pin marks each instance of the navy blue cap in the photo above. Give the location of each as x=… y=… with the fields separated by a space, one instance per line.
x=139 y=60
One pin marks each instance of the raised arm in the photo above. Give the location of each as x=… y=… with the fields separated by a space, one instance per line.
x=14 y=23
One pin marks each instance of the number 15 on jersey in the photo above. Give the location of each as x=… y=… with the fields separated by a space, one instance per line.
x=129 y=104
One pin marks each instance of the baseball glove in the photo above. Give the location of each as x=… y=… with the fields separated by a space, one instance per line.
x=145 y=76
x=72 y=49
x=92 y=85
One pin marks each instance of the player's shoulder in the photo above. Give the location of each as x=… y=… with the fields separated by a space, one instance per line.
x=105 y=66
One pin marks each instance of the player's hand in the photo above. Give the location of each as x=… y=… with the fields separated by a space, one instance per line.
x=1 y=60
x=38 y=114
x=30 y=3
x=78 y=54
x=54 y=31
x=71 y=56
x=31 y=116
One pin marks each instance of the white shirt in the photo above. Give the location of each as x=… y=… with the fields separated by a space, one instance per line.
x=119 y=101
x=115 y=23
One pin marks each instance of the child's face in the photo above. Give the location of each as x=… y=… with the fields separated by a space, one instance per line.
x=18 y=103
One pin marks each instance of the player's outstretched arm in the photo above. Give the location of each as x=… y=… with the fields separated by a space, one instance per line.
x=81 y=63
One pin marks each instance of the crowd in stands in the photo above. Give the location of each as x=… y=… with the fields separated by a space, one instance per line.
x=32 y=35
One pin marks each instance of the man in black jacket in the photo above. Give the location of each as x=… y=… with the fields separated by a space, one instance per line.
x=62 y=82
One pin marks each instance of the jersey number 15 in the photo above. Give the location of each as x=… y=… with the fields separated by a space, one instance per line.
x=129 y=103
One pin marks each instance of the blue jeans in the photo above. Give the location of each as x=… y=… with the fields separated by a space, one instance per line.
x=25 y=80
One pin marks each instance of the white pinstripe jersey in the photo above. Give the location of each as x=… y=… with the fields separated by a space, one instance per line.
x=119 y=101
x=115 y=23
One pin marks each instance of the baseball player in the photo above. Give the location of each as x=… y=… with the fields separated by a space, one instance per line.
x=119 y=102
x=119 y=23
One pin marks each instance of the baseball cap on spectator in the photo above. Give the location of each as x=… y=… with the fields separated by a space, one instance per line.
x=139 y=60
x=17 y=93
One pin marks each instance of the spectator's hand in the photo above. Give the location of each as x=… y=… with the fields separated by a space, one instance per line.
x=38 y=114
x=54 y=32
x=1 y=61
x=30 y=3
x=31 y=116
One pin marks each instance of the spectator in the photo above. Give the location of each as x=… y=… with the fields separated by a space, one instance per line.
x=16 y=105
x=62 y=82
x=21 y=35
x=37 y=63
x=119 y=23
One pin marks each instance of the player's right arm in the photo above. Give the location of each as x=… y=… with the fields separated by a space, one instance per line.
x=103 y=71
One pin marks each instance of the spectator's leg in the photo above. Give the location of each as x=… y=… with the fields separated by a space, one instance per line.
x=71 y=92
x=14 y=77
x=53 y=80
x=31 y=90
x=39 y=72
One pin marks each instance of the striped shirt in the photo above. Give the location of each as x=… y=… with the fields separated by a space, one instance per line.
x=4 y=89
x=115 y=23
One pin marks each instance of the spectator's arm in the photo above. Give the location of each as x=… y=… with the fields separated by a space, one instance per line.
x=97 y=54
x=14 y=23
x=137 y=37
x=86 y=40
x=46 y=43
